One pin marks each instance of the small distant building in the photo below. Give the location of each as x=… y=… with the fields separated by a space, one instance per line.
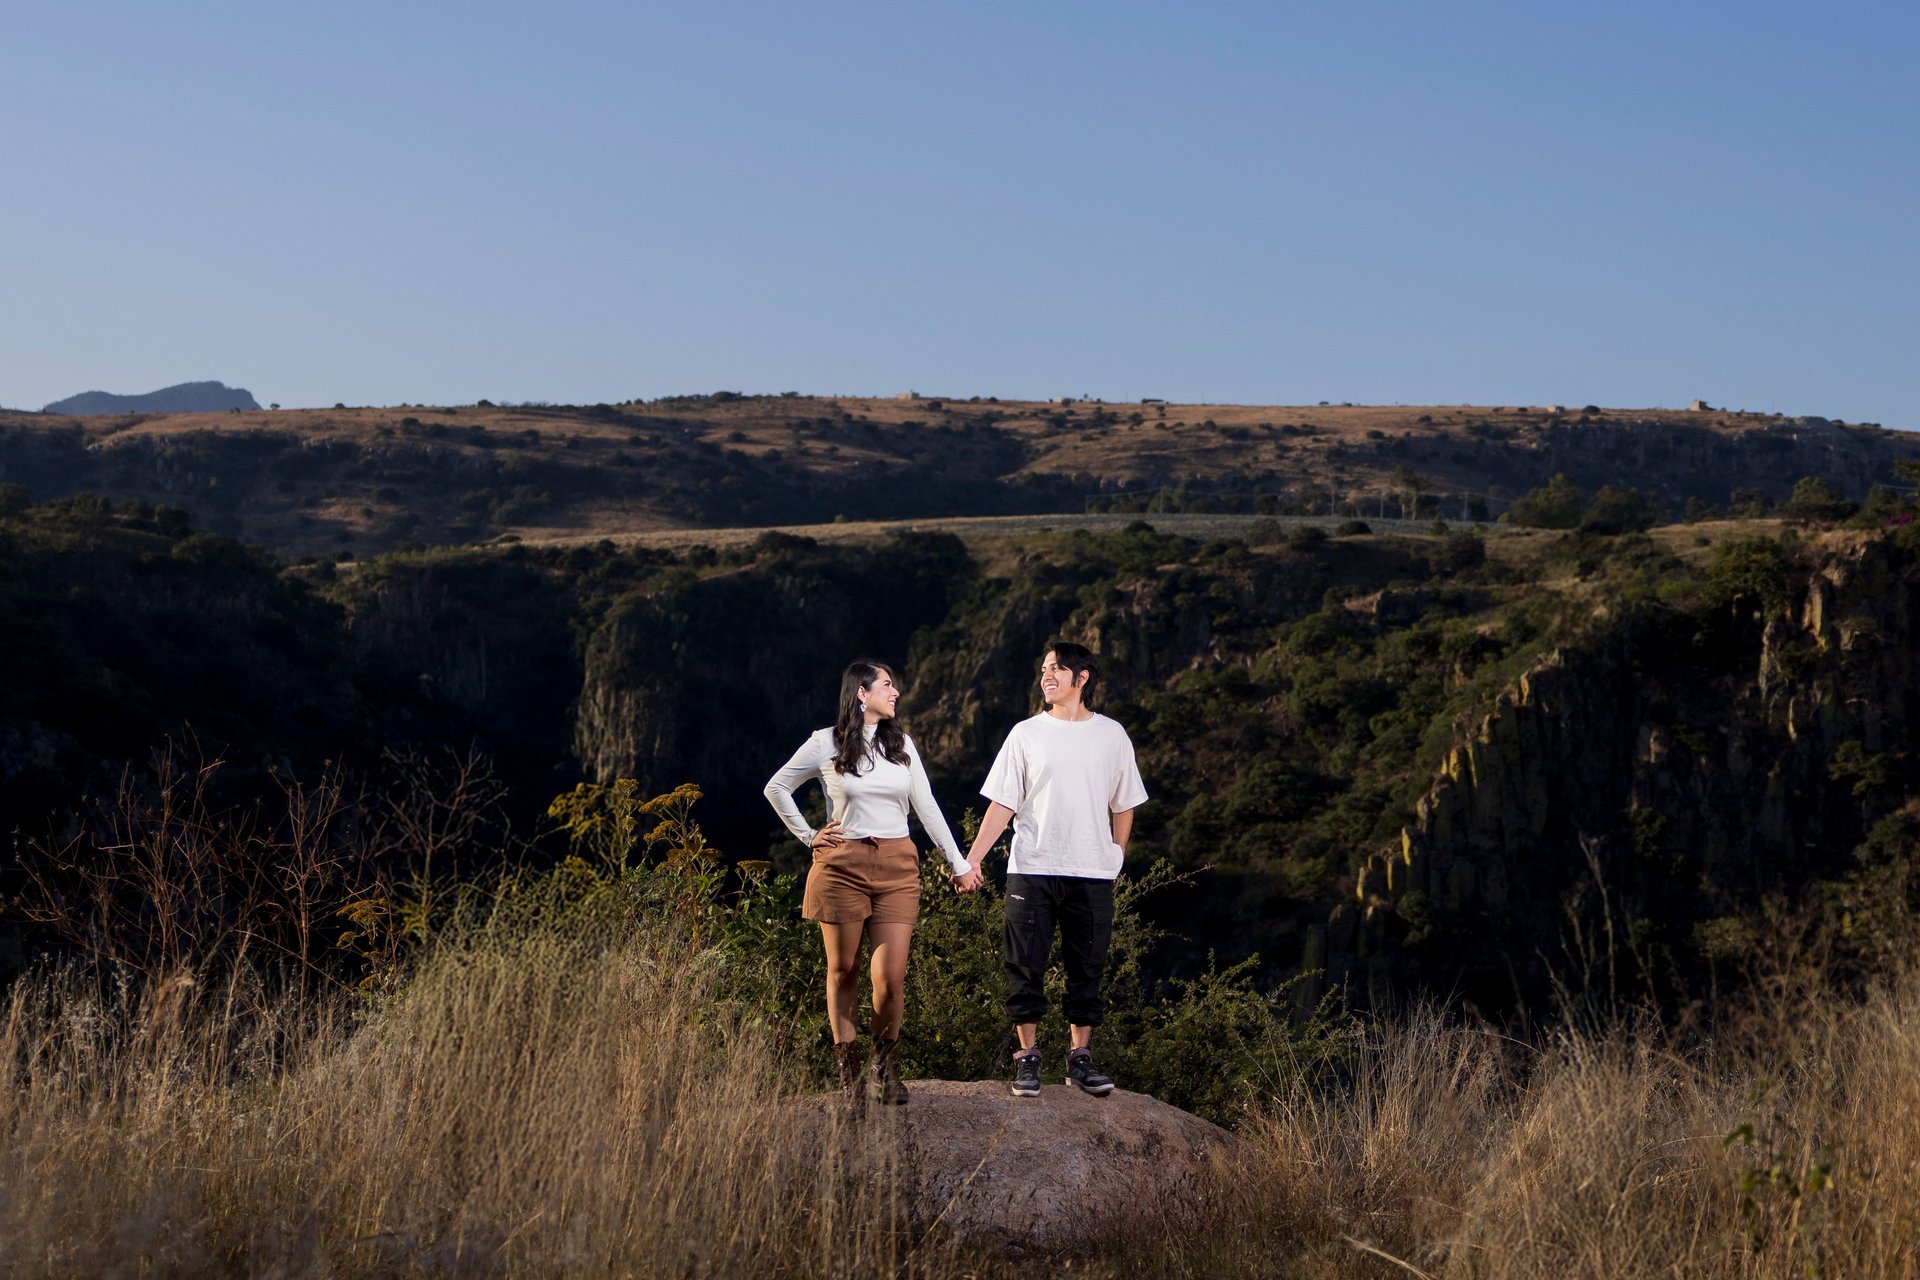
x=1699 y=406
x=908 y=395
x=1556 y=408
x=1061 y=400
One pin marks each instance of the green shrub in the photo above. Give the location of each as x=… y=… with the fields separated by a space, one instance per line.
x=1750 y=572
x=1306 y=538
x=1816 y=501
x=1266 y=532
x=1616 y=511
x=1867 y=771
x=1457 y=552
x=1558 y=504
x=1882 y=506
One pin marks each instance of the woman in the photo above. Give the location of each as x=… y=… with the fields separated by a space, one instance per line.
x=865 y=879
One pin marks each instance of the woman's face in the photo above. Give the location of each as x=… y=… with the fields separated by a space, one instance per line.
x=882 y=696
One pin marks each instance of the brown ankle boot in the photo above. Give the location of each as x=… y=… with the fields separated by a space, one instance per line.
x=886 y=1068
x=853 y=1084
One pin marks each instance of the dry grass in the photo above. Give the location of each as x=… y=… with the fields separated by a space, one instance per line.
x=532 y=1105
x=524 y=1107
x=1789 y=1147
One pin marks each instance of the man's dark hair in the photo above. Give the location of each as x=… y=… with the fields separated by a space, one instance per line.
x=1080 y=660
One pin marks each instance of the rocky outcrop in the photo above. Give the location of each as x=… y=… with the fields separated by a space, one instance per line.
x=1021 y=1173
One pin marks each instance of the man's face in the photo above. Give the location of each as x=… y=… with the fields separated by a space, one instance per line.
x=1057 y=684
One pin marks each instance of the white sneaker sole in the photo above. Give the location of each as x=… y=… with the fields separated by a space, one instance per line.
x=1090 y=1091
x=1019 y=1092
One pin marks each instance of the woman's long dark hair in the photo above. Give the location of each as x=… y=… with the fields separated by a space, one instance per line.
x=850 y=748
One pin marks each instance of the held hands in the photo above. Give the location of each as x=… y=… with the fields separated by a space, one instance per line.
x=828 y=837
x=991 y=827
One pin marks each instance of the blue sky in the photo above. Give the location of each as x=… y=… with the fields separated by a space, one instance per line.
x=1631 y=204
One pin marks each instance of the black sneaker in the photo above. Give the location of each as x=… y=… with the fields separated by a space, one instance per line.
x=1026 y=1076
x=1084 y=1076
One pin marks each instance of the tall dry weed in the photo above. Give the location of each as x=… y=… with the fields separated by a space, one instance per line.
x=539 y=1103
x=1790 y=1146
x=526 y=1106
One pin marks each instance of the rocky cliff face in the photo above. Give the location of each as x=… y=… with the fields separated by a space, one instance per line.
x=1149 y=625
x=1660 y=775
x=719 y=679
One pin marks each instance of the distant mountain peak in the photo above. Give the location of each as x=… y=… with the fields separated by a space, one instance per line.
x=185 y=397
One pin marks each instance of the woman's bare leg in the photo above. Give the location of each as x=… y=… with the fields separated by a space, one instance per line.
x=890 y=944
x=843 y=969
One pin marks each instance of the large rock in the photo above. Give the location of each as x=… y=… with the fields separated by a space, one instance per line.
x=1059 y=1169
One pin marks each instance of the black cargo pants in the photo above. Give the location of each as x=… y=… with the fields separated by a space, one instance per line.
x=1083 y=911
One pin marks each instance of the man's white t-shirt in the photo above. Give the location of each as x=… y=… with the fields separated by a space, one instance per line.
x=1064 y=779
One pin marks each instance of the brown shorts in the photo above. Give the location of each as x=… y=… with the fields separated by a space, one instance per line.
x=864 y=879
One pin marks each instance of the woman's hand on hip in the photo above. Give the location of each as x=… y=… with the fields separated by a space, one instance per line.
x=828 y=837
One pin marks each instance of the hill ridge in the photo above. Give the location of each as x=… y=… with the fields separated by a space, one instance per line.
x=181 y=397
x=314 y=481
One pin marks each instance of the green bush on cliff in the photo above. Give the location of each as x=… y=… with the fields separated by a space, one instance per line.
x=1876 y=904
x=1865 y=772
x=1749 y=573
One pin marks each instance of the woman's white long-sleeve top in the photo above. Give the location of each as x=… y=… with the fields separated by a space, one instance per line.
x=872 y=802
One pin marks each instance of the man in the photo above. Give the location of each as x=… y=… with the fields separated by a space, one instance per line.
x=1067 y=780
